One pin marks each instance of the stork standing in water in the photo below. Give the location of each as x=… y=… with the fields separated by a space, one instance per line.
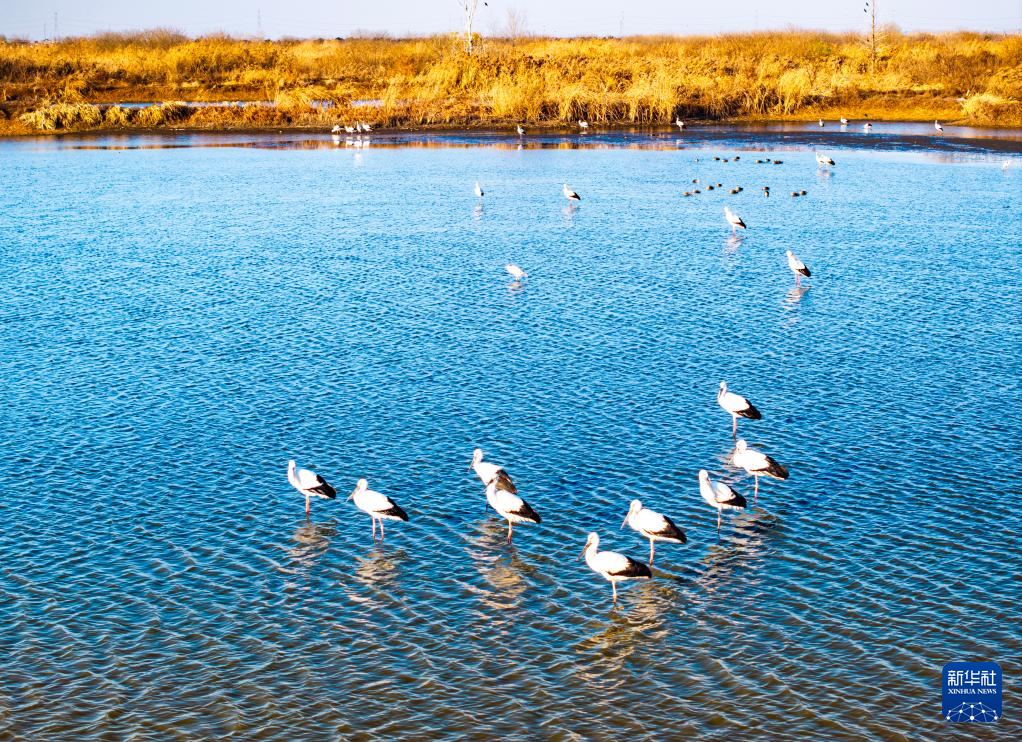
x=516 y=273
x=757 y=464
x=488 y=472
x=570 y=194
x=379 y=507
x=734 y=220
x=737 y=406
x=797 y=267
x=510 y=506
x=824 y=160
x=844 y=121
x=521 y=130
x=867 y=127
x=719 y=495
x=583 y=125
x=652 y=525
x=611 y=565
x=679 y=123
x=309 y=483
x=479 y=190
x=821 y=123
x=938 y=127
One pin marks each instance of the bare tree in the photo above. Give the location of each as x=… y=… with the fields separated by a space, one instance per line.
x=469 y=7
x=516 y=24
x=871 y=11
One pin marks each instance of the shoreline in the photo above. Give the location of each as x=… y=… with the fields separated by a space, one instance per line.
x=508 y=128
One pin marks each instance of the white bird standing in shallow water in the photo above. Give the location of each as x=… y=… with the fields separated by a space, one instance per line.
x=379 y=507
x=737 y=406
x=797 y=267
x=733 y=219
x=824 y=160
x=757 y=464
x=510 y=506
x=570 y=194
x=844 y=121
x=679 y=123
x=719 y=495
x=613 y=566
x=521 y=130
x=938 y=127
x=309 y=483
x=652 y=525
x=867 y=127
x=488 y=472
x=583 y=125
x=821 y=123
x=516 y=273
x=479 y=190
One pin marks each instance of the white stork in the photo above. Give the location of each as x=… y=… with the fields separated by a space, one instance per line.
x=570 y=194
x=679 y=123
x=479 y=190
x=309 y=483
x=737 y=406
x=583 y=125
x=844 y=121
x=516 y=273
x=521 y=130
x=488 y=472
x=510 y=506
x=734 y=220
x=938 y=127
x=797 y=267
x=719 y=495
x=821 y=123
x=824 y=160
x=757 y=464
x=652 y=525
x=867 y=127
x=611 y=565
x=379 y=507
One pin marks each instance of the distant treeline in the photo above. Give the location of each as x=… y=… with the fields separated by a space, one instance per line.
x=967 y=77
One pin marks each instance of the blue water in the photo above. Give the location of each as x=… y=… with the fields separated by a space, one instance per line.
x=178 y=322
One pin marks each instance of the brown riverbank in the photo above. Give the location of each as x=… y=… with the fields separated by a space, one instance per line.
x=75 y=84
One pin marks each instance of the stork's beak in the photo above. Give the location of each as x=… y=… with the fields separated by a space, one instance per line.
x=352 y=494
x=469 y=467
x=626 y=519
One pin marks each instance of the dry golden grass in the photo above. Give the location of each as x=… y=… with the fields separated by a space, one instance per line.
x=649 y=80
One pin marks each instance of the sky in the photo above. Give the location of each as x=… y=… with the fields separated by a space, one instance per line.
x=328 y=18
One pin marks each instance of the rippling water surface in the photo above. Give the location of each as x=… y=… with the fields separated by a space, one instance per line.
x=179 y=322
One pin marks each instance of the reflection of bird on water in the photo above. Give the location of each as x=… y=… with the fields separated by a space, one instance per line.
x=379 y=567
x=311 y=542
x=795 y=295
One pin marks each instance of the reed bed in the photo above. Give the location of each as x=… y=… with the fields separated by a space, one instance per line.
x=965 y=77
